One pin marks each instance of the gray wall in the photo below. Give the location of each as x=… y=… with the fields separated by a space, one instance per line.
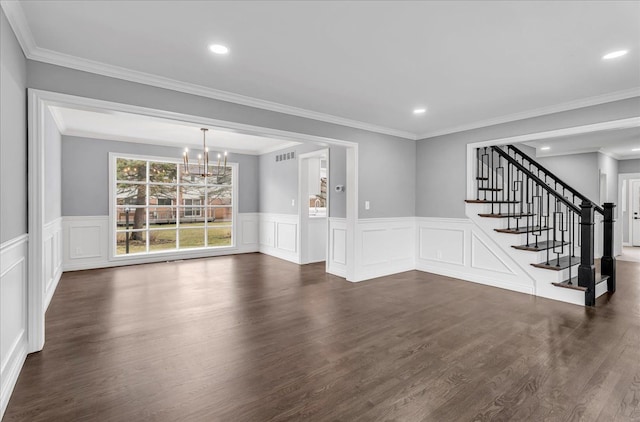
x=52 y=169
x=85 y=174
x=279 y=180
x=609 y=166
x=389 y=188
x=629 y=166
x=387 y=179
x=13 y=135
x=446 y=155
x=580 y=171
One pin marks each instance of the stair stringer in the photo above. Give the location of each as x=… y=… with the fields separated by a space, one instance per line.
x=539 y=279
x=458 y=248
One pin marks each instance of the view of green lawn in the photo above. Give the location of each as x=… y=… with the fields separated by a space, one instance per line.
x=191 y=236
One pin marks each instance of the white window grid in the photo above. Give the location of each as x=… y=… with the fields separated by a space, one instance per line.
x=206 y=186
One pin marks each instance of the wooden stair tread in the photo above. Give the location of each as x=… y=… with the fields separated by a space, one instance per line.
x=565 y=262
x=487 y=201
x=574 y=282
x=491 y=189
x=516 y=215
x=482 y=178
x=542 y=246
x=522 y=230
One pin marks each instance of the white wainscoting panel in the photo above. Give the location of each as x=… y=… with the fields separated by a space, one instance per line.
x=445 y=246
x=337 y=250
x=317 y=240
x=86 y=243
x=457 y=248
x=52 y=237
x=13 y=314
x=384 y=246
x=279 y=236
x=484 y=258
x=248 y=224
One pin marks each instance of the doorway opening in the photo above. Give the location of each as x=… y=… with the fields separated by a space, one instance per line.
x=628 y=223
x=40 y=105
x=313 y=200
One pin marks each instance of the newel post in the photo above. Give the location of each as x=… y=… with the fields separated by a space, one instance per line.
x=608 y=262
x=587 y=269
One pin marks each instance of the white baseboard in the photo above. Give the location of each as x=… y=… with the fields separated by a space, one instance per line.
x=279 y=253
x=13 y=301
x=470 y=276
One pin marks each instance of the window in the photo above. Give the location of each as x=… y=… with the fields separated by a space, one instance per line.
x=190 y=210
x=158 y=207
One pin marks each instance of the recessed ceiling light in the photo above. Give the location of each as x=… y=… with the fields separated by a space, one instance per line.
x=636 y=149
x=420 y=110
x=218 y=49
x=614 y=54
x=545 y=148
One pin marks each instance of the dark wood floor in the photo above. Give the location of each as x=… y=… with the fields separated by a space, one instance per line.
x=254 y=338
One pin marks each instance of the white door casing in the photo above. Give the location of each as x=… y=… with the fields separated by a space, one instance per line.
x=635 y=212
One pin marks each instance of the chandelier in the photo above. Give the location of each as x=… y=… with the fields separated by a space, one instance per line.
x=203 y=161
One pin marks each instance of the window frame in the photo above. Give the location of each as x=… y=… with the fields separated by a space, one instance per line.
x=113 y=208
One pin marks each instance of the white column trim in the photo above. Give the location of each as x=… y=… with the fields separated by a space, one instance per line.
x=36 y=294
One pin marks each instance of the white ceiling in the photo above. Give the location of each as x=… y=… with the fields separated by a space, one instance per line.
x=616 y=143
x=470 y=63
x=118 y=126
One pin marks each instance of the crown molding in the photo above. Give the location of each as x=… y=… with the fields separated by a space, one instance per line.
x=629 y=157
x=85 y=65
x=18 y=22
x=557 y=108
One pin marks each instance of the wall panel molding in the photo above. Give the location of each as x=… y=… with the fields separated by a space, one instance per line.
x=458 y=248
x=13 y=314
x=279 y=236
x=52 y=237
x=384 y=246
x=86 y=243
x=337 y=247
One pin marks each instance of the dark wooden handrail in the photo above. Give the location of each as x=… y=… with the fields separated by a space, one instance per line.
x=536 y=179
x=541 y=206
x=556 y=179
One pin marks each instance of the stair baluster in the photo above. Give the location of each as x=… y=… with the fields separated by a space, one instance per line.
x=528 y=190
x=608 y=262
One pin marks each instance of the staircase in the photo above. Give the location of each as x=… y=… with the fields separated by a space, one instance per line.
x=547 y=225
